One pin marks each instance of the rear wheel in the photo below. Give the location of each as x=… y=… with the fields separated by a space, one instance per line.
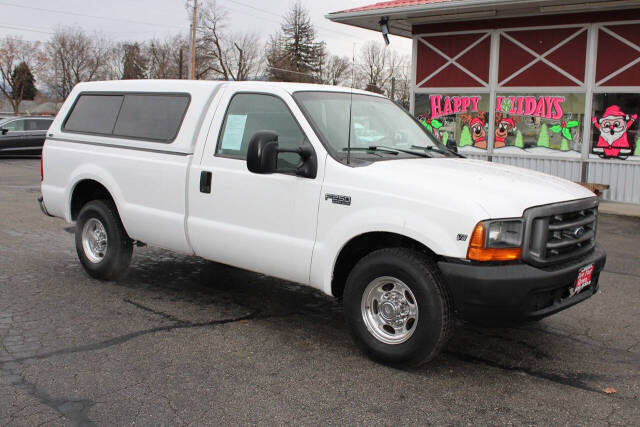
x=102 y=244
x=397 y=307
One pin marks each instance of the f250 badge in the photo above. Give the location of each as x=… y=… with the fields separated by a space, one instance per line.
x=338 y=199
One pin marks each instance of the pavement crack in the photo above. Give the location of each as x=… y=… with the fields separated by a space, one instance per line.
x=156 y=312
x=130 y=336
x=74 y=410
x=574 y=381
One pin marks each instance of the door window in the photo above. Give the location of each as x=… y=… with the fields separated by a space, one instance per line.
x=249 y=113
x=15 y=125
x=36 y=124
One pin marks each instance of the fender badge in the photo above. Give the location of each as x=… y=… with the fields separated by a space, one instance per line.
x=461 y=237
x=338 y=199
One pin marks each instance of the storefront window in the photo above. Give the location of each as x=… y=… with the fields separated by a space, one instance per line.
x=615 y=126
x=539 y=124
x=458 y=120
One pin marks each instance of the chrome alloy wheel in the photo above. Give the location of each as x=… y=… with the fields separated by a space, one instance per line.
x=389 y=310
x=94 y=240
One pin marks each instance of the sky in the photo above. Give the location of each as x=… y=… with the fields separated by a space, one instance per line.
x=137 y=20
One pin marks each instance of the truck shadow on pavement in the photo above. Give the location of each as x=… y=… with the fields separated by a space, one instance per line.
x=160 y=281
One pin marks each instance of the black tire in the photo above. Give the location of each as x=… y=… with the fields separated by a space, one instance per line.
x=119 y=246
x=435 y=320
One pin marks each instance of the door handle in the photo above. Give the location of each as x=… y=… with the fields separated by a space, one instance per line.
x=205 y=182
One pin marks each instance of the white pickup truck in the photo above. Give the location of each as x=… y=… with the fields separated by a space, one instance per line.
x=336 y=189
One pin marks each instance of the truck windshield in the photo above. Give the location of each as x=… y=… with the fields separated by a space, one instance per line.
x=376 y=123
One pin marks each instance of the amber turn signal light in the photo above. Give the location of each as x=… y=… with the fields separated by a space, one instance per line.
x=478 y=252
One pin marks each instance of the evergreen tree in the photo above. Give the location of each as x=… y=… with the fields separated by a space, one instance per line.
x=519 y=142
x=637 y=150
x=293 y=54
x=134 y=63
x=445 y=138
x=465 y=137
x=564 y=145
x=543 y=137
x=25 y=87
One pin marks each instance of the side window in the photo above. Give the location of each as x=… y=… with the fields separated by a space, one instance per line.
x=249 y=113
x=15 y=125
x=43 y=124
x=94 y=114
x=36 y=124
x=147 y=116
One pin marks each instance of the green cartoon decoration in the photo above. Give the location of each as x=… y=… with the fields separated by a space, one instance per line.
x=565 y=127
x=445 y=138
x=465 y=137
x=637 y=150
x=506 y=105
x=519 y=142
x=543 y=138
x=431 y=124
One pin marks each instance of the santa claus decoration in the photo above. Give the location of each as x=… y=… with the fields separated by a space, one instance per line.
x=613 y=141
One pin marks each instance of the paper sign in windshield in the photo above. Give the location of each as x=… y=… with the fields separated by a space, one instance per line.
x=234 y=131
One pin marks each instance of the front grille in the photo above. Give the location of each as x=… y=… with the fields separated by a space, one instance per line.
x=560 y=231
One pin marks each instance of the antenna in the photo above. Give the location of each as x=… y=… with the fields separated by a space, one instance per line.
x=353 y=66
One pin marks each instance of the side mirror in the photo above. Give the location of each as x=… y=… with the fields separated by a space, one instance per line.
x=262 y=156
x=4 y=131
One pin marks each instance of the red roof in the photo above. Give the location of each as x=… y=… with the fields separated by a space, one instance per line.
x=391 y=4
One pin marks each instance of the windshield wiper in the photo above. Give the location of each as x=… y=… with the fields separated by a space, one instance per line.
x=431 y=148
x=386 y=149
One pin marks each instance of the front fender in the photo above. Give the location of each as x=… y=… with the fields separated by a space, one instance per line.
x=432 y=231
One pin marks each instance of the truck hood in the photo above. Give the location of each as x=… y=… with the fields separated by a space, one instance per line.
x=501 y=190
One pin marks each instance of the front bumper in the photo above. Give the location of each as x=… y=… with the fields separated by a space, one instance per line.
x=517 y=291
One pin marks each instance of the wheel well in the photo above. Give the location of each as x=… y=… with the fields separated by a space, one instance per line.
x=364 y=244
x=86 y=191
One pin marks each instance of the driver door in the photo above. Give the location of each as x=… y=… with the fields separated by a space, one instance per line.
x=12 y=137
x=264 y=223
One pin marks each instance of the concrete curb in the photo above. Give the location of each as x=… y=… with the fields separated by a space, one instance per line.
x=626 y=209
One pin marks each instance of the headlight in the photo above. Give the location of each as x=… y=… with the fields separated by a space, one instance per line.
x=504 y=234
x=496 y=240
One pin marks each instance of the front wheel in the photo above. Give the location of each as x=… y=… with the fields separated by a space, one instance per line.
x=102 y=244
x=397 y=307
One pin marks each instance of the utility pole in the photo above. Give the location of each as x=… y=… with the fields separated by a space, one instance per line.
x=193 y=40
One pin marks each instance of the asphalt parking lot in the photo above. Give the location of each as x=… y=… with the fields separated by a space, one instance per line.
x=180 y=340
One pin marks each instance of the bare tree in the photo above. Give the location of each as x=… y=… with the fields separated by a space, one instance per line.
x=168 y=58
x=13 y=52
x=222 y=54
x=373 y=60
x=336 y=70
x=75 y=57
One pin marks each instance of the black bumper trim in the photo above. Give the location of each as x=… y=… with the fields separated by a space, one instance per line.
x=517 y=291
x=43 y=208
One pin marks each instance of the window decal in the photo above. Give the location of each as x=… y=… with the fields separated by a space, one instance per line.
x=547 y=125
x=613 y=141
x=450 y=118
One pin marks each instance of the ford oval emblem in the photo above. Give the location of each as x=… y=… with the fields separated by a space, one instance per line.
x=578 y=232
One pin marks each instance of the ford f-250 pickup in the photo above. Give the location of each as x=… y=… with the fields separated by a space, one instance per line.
x=333 y=188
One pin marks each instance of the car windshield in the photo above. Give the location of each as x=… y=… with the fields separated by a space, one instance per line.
x=379 y=128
